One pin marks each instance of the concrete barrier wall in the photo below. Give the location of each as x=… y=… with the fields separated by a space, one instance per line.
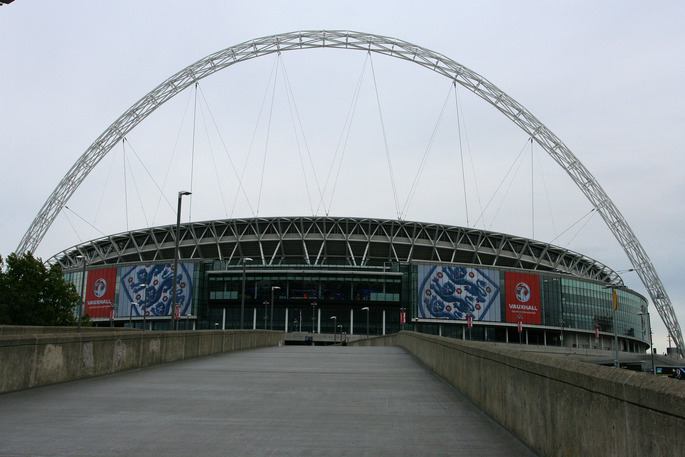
x=385 y=340
x=32 y=360
x=557 y=406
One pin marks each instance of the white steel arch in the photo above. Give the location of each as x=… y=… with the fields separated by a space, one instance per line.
x=382 y=45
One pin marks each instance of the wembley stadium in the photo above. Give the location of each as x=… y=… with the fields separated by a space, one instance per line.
x=315 y=277
x=325 y=279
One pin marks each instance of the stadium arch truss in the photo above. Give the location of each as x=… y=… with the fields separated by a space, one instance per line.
x=391 y=47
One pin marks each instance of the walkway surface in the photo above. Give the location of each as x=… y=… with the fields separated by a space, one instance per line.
x=283 y=401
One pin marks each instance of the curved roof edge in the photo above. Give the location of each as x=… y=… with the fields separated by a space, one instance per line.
x=326 y=240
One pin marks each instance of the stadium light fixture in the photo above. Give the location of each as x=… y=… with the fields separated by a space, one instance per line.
x=366 y=308
x=271 y=319
x=181 y=194
x=82 y=302
x=649 y=329
x=242 y=296
x=335 y=327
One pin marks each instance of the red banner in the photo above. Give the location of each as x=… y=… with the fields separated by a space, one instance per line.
x=522 y=292
x=100 y=292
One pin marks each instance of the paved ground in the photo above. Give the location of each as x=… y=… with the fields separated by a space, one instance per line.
x=284 y=401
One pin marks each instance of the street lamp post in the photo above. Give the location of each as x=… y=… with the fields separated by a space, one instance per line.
x=313 y=318
x=266 y=312
x=649 y=329
x=335 y=327
x=615 y=299
x=271 y=318
x=366 y=308
x=520 y=327
x=242 y=296
x=178 y=231
x=130 y=314
x=145 y=308
x=82 y=302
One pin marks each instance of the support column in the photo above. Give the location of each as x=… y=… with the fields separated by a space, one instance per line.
x=286 y=320
x=318 y=320
x=223 y=320
x=351 y=322
x=383 y=323
x=254 y=319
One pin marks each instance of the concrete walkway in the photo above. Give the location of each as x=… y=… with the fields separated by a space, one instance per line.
x=283 y=401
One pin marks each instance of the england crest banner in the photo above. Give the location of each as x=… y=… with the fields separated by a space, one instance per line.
x=150 y=287
x=447 y=292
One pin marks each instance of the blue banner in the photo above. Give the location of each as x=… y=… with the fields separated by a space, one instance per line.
x=151 y=287
x=447 y=292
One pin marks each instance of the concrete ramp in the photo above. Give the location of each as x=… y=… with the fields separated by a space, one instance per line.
x=280 y=401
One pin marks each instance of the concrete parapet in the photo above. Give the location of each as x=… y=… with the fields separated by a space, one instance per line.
x=40 y=358
x=385 y=340
x=561 y=407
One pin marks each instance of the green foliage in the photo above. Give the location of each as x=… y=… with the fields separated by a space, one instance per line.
x=33 y=294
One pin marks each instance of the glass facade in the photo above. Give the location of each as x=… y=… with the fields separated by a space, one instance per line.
x=306 y=299
x=357 y=300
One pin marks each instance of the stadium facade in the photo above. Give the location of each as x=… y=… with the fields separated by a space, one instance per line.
x=316 y=276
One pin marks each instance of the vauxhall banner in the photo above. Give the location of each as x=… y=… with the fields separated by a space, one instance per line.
x=522 y=293
x=100 y=292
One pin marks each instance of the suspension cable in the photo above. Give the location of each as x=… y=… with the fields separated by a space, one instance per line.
x=147 y=171
x=135 y=186
x=294 y=113
x=192 y=157
x=171 y=161
x=91 y=225
x=532 y=190
x=228 y=156
x=123 y=146
x=464 y=134
x=268 y=133
x=429 y=147
x=385 y=140
x=249 y=151
x=344 y=137
x=80 y=240
x=461 y=154
x=511 y=183
x=211 y=150
x=547 y=199
x=501 y=183
x=592 y=213
x=104 y=191
x=572 y=225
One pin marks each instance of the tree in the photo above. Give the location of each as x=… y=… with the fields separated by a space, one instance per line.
x=33 y=294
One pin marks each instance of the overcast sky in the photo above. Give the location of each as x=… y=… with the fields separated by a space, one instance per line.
x=605 y=77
